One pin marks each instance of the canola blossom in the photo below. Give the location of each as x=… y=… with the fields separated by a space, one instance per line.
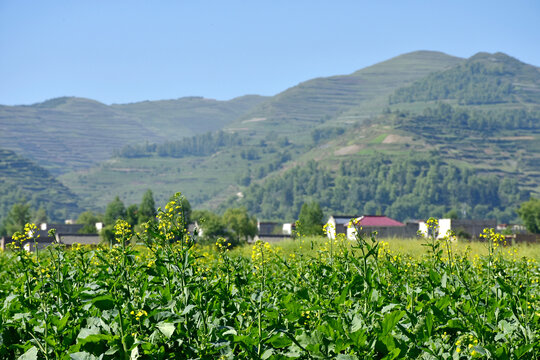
x=172 y=298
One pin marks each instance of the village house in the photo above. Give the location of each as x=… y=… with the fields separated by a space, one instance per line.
x=67 y=234
x=273 y=231
x=463 y=228
x=367 y=224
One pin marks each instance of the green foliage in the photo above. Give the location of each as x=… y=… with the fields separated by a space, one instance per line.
x=91 y=129
x=408 y=187
x=342 y=300
x=480 y=80
x=89 y=220
x=115 y=210
x=529 y=212
x=241 y=224
x=310 y=219
x=18 y=216
x=211 y=225
x=452 y=214
x=132 y=215
x=147 y=209
x=40 y=216
x=22 y=179
x=198 y=145
x=460 y=121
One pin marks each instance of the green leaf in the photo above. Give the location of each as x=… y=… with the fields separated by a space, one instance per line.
x=390 y=320
x=303 y=293
x=346 y=357
x=104 y=302
x=230 y=332
x=83 y=355
x=280 y=341
x=429 y=323
x=392 y=354
x=134 y=353
x=357 y=323
x=479 y=349
x=265 y=355
x=522 y=350
x=85 y=332
x=166 y=328
x=434 y=276
x=62 y=323
x=30 y=354
x=187 y=309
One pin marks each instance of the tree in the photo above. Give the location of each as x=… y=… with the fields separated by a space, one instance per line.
x=89 y=220
x=40 y=216
x=310 y=220
x=529 y=212
x=132 y=215
x=18 y=216
x=242 y=225
x=115 y=210
x=452 y=214
x=147 y=209
x=212 y=225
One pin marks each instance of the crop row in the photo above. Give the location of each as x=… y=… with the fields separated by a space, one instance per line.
x=172 y=299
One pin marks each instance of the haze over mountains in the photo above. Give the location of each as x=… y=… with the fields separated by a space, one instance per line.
x=390 y=111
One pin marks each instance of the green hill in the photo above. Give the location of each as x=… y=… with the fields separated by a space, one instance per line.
x=69 y=133
x=487 y=142
x=344 y=99
x=417 y=135
x=21 y=179
x=482 y=79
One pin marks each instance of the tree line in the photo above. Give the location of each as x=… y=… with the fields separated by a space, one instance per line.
x=444 y=117
x=198 y=145
x=471 y=83
x=415 y=186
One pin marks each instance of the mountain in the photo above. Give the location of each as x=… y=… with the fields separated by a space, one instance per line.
x=469 y=134
x=420 y=134
x=343 y=99
x=69 y=133
x=481 y=80
x=23 y=180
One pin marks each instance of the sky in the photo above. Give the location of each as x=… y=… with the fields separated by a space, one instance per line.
x=128 y=51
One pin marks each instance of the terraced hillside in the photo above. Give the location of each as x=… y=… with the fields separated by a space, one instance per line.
x=66 y=134
x=342 y=99
x=23 y=180
x=322 y=123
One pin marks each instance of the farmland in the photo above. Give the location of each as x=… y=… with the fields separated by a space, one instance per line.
x=308 y=299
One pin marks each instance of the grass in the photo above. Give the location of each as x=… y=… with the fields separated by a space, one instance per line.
x=413 y=248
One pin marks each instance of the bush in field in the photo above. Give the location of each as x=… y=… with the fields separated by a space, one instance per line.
x=310 y=220
x=529 y=212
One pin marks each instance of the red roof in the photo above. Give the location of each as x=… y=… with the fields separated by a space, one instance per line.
x=378 y=220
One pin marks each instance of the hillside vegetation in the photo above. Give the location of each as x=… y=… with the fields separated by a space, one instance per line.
x=67 y=134
x=343 y=99
x=374 y=136
x=23 y=180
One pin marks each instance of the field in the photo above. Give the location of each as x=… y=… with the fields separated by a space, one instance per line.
x=310 y=299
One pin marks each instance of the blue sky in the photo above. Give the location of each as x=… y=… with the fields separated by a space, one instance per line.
x=127 y=51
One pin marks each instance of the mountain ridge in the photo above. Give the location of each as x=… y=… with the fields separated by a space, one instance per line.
x=330 y=119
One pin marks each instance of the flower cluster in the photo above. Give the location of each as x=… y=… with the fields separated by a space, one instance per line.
x=467 y=343
x=495 y=238
x=122 y=230
x=222 y=245
x=261 y=254
x=139 y=314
